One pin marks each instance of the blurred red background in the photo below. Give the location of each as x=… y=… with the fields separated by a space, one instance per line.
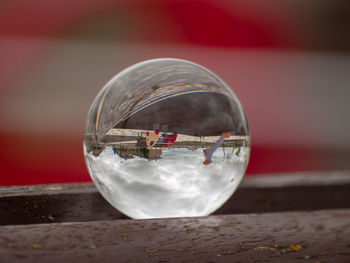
x=288 y=62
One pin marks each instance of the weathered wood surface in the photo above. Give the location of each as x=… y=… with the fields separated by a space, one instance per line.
x=93 y=231
x=319 y=236
x=82 y=202
x=261 y=181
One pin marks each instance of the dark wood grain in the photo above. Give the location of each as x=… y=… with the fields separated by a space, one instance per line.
x=78 y=225
x=82 y=202
x=322 y=236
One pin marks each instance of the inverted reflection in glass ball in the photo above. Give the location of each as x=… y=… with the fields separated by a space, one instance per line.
x=166 y=138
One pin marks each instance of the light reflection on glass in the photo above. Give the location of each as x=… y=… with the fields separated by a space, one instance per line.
x=176 y=146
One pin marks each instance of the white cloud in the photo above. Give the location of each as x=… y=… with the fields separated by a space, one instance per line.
x=178 y=184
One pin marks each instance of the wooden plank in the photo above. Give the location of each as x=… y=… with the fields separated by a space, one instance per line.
x=322 y=236
x=325 y=178
x=261 y=181
x=47 y=189
x=82 y=202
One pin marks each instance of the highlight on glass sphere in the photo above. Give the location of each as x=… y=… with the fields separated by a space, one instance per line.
x=166 y=138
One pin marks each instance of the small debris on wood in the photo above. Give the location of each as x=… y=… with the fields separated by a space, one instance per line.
x=295 y=247
x=282 y=249
x=151 y=250
x=37 y=246
x=263 y=248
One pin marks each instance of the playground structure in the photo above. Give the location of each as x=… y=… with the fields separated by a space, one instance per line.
x=150 y=144
x=152 y=138
x=208 y=153
x=166 y=140
x=169 y=140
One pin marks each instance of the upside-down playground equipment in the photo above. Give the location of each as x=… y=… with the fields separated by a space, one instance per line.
x=208 y=153
x=169 y=139
x=152 y=138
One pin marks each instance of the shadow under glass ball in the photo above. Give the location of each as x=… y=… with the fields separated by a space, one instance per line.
x=166 y=138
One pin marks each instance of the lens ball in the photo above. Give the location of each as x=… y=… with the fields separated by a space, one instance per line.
x=166 y=138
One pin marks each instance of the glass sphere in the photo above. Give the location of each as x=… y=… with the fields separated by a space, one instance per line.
x=166 y=138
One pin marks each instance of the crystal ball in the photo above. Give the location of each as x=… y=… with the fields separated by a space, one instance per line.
x=166 y=138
